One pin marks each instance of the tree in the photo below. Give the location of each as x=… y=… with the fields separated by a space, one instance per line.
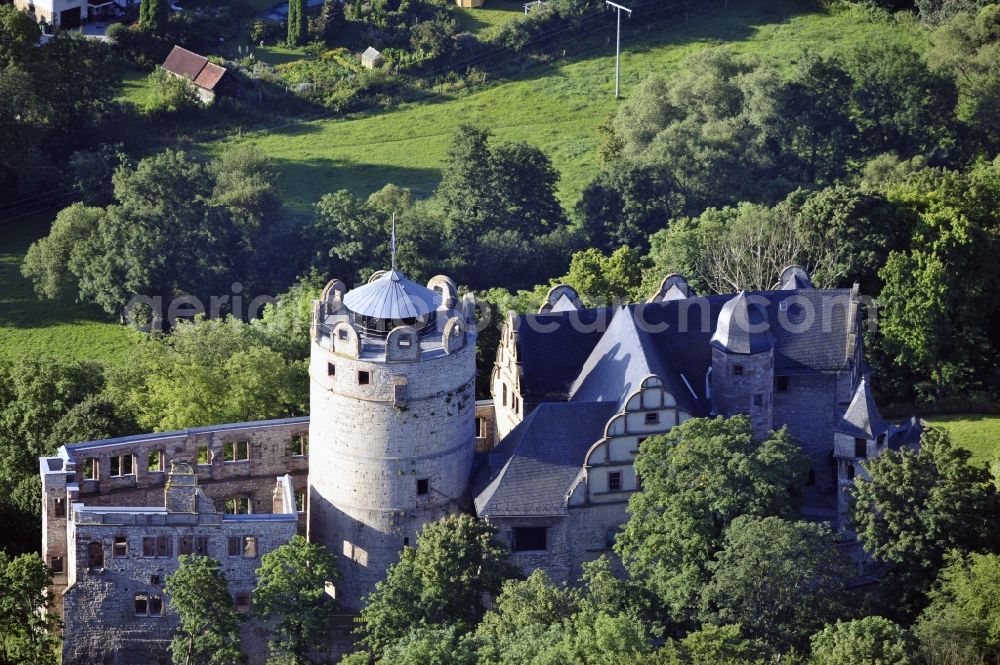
x=208 y=633
x=28 y=624
x=920 y=504
x=939 y=307
x=446 y=645
x=330 y=22
x=297 y=22
x=210 y=371
x=869 y=640
x=18 y=34
x=779 y=580
x=711 y=645
x=291 y=586
x=696 y=480
x=47 y=263
x=153 y=15
x=961 y=624
x=457 y=564
x=601 y=280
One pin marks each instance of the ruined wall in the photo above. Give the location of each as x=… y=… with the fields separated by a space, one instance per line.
x=102 y=626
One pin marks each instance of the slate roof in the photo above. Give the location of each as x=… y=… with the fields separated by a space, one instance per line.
x=906 y=434
x=862 y=418
x=743 y=327
x=533 y=468
x=195 y=67
x=393 y=297
x=811 y=332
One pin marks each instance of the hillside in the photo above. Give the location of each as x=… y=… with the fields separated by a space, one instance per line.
x=557 y=106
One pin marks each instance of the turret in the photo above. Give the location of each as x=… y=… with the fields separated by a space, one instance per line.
x=743 y=363
x=392 y=428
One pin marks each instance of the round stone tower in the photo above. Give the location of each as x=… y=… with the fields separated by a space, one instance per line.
x=743 y=362
x=392 y=428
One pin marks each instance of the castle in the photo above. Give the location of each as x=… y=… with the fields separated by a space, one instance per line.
x=396 y=439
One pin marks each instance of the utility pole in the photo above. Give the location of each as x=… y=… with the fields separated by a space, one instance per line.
x=618 y=45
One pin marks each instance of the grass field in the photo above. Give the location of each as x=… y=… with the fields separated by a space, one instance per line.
x=556 y=107
x=29 y=326
x=978 y=433
x=486 y=21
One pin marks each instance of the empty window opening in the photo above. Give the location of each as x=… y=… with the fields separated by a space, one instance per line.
x=148 y=546
x=300 y=502
x=529 y=538
x=364 y=378
x=737 y=370
x=237 y=451
x=56 y=564
x=860 y=447
x=850 y=472
x=423 y=487
x=758 y=400
x=781 y=384
x=406 y=541
x=201 y=545
x=164 y=546
x=504 y=400
x=59 y=507
x=122 y=465
x=250 y=546
x=300 y=445
x=238 y=505
x=203 y=455
x=480 y=428
x=186 y=545
x=811 y=478
x=91 y=469
x=95 y=555
x=614 y=481
x=653 y=418
x=120 y=548
x=155 y=462
x=331 y=369
x=148 y=605
x=234 y=547
x=242 y=602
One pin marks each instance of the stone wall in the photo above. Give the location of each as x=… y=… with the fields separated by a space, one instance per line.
x=739 y=381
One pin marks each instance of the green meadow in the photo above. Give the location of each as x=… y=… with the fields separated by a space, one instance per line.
x=977 y=433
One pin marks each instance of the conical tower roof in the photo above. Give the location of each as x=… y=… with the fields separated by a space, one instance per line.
x=862 y=418
x=393 y=297
x=743 y=327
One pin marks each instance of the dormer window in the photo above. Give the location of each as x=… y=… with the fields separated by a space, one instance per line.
x=405 y=342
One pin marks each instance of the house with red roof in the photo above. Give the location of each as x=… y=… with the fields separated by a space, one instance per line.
x=209 y=79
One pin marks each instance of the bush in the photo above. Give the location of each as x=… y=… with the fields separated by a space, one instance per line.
x=172 y=94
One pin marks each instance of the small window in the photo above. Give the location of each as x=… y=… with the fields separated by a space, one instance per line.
x=120 y=547
x=56 y=564
x=781 y=384
x=850 y=472
x=148 y=546
x=615 y=481
x=405 y=342
x=238 y=505
x=300 y=502
x=154 y=580
x=91 y=469
x=653 y=418
x=342 y=334
x=758 y=400
x=95 y=555
x=737 y=370
x=203 y=455
x=241 y=602
x=406 y=541
x=423 y=487
x=364 y=378
x=59 y=507
x=504 y=400
x=122 y=465
x=860 y=447
x=331 y=369
x=480 y=428
x=234 y=548
x=250 y=546
x=811 y=478
x=186 y=545
x=201 y=545
x=529 y=538
x=237 y=451
x=164 y=546
x=141 y=604
x=155 y=462
x=300 y=445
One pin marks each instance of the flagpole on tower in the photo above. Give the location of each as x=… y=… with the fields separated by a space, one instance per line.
x=392 y=241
